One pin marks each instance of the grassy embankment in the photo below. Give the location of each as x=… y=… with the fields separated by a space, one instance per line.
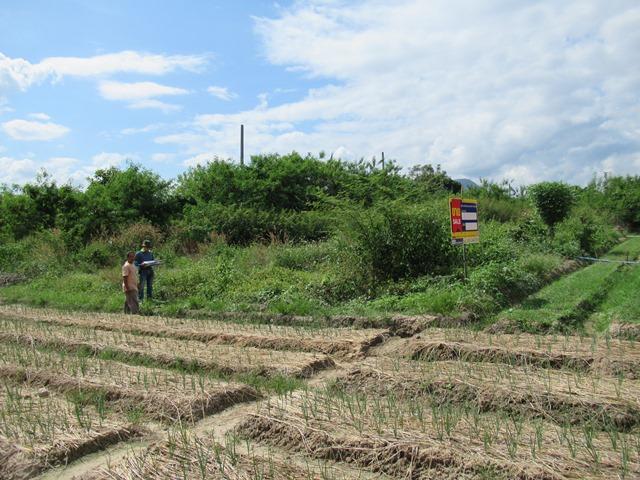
x=303 y=279
x=593 y=296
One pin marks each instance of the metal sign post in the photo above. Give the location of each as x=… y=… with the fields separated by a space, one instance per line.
x=464 y=225
x=464 y=259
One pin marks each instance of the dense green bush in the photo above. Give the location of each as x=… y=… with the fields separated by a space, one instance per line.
x=502 y=209
x=130 y=237
x=319 y=234
x=553 y=200
x=43 y=252
x=530 y=229
x=207 y=278
x=584 y=233
x=396 y=240
x=304 y=256
x=496 y=245
x=621 y=196
x=97 y=255
x=244 y=225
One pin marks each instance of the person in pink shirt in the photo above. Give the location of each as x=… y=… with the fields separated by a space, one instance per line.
x=130 y=285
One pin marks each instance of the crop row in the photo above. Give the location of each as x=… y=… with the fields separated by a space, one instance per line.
x=559 y=395
x=414 y=438
x=160 y=394
x=605 y=355
x=224 y=360
x=342 y=341
x=39 y=428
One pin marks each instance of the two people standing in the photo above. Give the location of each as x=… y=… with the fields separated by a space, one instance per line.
x=134 y=289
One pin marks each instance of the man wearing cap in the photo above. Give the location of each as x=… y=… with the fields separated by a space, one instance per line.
x=146 y=271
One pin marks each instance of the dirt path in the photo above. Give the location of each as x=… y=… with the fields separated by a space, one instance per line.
x=99 y=459
x=217 y=425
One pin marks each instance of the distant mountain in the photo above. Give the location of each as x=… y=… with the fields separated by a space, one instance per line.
x=466 y=183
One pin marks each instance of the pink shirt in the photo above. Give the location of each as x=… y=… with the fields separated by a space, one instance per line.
x=131 y=272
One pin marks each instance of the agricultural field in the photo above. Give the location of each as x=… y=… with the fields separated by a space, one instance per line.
x=104 y=396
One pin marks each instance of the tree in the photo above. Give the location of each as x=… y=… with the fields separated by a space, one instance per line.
x=622 y=198
x=434 y=179
x=553 y=201
x=115 y=198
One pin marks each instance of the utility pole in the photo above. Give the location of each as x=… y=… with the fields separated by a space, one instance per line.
x=241 y=145
x=383 y=160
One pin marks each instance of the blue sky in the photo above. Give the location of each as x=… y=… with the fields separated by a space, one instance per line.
x=496 y=89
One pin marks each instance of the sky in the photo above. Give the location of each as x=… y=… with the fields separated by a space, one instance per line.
x=498 y=89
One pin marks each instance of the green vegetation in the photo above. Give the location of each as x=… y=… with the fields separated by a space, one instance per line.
x=301 y=236
x=553 y=200
x=566 y=304
x=621 y=305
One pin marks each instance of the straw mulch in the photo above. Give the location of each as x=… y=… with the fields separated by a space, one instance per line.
x=560 y=396
x=222 y=359
x=344 y=342
x=609 y=356
x=39 y=432
x=408 y=439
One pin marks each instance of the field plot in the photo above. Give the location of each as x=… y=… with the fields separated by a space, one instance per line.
x=569 y=301
x=39 y=429
x=336 y=341
x=160 y=394
x=409 y=438
x=594 y=354
x=190 y=456
x=561 y=396
x=224 y=360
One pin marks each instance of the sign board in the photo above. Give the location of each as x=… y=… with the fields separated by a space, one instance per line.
x=464 y=221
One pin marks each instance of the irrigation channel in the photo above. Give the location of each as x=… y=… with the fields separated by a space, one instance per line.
x=100 y=396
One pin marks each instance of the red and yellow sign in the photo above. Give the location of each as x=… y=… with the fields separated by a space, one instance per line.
x=464 y=221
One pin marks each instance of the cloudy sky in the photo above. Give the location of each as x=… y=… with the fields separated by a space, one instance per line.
x=524 y=90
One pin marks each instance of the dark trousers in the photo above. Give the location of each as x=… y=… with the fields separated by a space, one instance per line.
x=146 y=278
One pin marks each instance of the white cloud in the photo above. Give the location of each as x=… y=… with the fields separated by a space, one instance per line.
x=4 y=107
x=22 y=170
x=40 y=116
x=222 y=93
x=528 y=90
x=201 y=159
x=31 y=130
x=141 y=94
x=146 y=129
x=20 y=73
x=343 y=153
x=16 y=171
x=62 y=169
x=162 y=157
x=154 y=104
x=137 y=91
x=110 y=159
x=184 y=139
